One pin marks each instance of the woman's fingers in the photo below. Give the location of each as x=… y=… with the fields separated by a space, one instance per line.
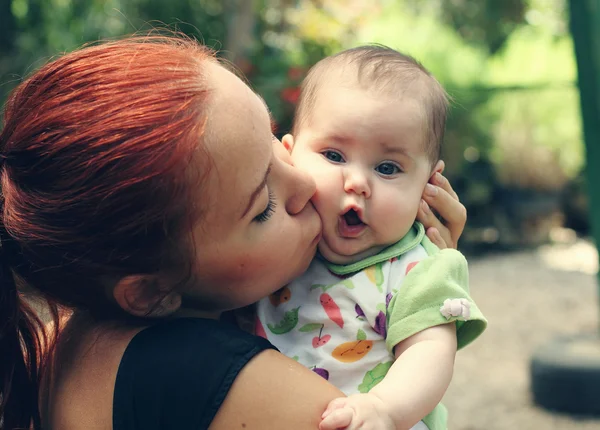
x=442 y=200
x=442 y=182
x=434 y=227
x=445 y=205
x=434 y=235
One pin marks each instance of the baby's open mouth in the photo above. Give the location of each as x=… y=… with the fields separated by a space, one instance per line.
x=352 y=218
x=350 y=225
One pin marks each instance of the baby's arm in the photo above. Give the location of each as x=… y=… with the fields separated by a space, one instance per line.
x=413 y=386
x=420 y=376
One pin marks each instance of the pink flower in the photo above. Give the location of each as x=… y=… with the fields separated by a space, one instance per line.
x=456 y=308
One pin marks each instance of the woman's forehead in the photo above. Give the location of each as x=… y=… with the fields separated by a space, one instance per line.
x=238 y=139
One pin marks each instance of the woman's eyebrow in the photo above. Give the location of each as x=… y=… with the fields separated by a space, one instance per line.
x=257 y=191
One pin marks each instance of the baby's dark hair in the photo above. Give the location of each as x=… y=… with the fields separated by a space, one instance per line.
x=383 y=69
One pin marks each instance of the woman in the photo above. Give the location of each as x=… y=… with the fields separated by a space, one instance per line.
x=143 y=190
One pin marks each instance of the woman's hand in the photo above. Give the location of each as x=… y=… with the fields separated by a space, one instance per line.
x=440 y=201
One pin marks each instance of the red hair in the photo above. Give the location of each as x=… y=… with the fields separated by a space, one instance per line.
x=95 y=186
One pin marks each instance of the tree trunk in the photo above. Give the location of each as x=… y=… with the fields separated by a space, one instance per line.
x=240 y=28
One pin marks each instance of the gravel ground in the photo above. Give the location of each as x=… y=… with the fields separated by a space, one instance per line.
x=529 y=298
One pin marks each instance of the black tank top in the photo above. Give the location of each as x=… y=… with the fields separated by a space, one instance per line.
x=176 y=374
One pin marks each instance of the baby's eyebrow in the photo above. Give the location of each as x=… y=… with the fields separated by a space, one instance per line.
x=340 y=138
x=394 y=149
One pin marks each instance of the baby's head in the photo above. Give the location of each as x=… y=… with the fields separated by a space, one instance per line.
x=368 y=127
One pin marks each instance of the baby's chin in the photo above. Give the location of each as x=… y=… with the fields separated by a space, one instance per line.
x=346 y=255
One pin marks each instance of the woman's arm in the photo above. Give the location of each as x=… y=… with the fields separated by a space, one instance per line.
x=275 y=392
x=439 y=199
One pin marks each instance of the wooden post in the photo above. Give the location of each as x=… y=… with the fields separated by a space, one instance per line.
x=585 y=28
x=562 y=377
x=240 y=28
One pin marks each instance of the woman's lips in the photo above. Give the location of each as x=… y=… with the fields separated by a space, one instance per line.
x=349 y=231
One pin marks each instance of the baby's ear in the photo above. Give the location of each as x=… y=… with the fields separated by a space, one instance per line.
x=438 y=168
x=288 y=142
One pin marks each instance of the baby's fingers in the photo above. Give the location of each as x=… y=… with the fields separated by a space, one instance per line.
x=335 y=404
x=337 y=419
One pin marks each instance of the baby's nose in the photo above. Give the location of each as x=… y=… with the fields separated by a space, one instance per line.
x=355 y=181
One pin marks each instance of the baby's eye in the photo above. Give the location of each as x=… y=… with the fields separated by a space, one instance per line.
x=334 y=156
x=387 y=169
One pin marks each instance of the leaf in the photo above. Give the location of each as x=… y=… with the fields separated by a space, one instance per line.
x=374 y=376
x=381 y=307
x=295 y=358
x=323 y=286
x=348 y=284
x=287 y=324
x=361 y=335
x=379 y=278
x=310 y=327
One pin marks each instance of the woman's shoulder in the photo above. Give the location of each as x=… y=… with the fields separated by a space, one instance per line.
x=189 y=335
x=207 y=374
x=180 y=371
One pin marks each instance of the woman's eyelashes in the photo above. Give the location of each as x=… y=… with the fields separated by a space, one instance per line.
x=266 y=214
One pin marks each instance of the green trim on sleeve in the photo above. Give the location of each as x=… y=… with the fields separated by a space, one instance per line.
x=416 y=305
x=410 y=240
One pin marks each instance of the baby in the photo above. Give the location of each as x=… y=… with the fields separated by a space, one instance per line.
x=381 y=311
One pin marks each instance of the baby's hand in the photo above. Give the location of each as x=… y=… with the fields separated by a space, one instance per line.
x=358 y=411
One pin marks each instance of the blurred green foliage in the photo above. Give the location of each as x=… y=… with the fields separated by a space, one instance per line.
x=508 y=65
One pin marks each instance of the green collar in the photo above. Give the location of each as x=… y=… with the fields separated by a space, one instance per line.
x=409 y=241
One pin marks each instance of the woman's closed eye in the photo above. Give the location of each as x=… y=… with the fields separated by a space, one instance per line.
x=266 y=214
x=333 y=156
x=388 y=169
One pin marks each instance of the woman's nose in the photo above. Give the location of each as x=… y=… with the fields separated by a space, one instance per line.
x=303 y=188
x=299 y=185
x=355 y=181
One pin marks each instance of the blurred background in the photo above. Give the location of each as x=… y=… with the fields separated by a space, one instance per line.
x=514 y=148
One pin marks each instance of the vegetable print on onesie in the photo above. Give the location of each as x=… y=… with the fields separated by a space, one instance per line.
x=334 y=325
x=343 y=322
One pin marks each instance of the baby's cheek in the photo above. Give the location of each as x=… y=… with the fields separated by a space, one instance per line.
x=399 y=207
x=327 y=184
x=328 y=194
